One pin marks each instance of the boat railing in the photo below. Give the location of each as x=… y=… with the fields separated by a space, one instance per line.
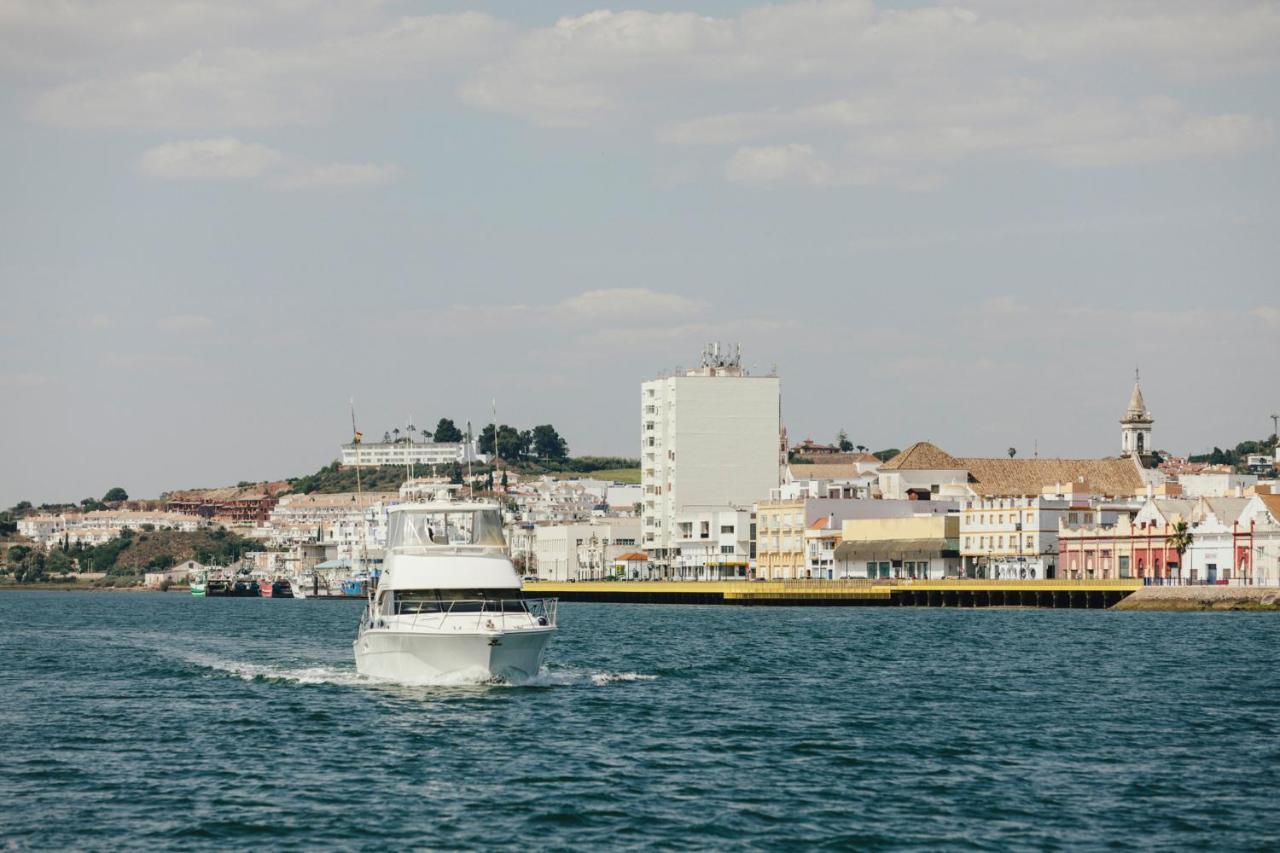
x=497 y=613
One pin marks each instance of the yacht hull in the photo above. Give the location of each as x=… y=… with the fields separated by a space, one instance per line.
x=425 y=657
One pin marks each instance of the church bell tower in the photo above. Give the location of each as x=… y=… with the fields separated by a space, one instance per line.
x=1135 y=426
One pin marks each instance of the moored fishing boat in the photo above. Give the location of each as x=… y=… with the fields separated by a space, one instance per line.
x=198 y=586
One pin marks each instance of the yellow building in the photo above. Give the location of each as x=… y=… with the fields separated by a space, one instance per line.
x=780 y=542
x=914 y=547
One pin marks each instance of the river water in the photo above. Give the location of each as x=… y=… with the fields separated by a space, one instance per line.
x=160 y=720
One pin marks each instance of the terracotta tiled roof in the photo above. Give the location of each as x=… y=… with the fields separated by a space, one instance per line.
x=1110 y=477
x=821 y=471
x=820 y=523
x=633 y=557
x=923 y=456
x=1272 y=503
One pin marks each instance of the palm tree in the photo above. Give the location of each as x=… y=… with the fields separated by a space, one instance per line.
x=1013 y=451
x=426 y=435
x=1180 y=540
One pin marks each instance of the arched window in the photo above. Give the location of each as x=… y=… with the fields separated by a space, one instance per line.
x=1141 y=443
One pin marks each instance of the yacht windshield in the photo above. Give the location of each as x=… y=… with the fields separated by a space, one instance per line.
x=425 y=528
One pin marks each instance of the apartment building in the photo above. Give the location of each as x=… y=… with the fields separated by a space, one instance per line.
x=710 y=440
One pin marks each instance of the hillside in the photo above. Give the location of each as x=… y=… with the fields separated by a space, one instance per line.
x=334 y=478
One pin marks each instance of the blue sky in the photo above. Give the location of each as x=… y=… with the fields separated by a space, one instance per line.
x=963 y=223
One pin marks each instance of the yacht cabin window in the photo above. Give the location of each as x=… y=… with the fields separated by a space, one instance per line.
x=427 y=528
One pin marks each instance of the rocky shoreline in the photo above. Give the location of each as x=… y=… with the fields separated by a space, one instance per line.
x=1203 y=598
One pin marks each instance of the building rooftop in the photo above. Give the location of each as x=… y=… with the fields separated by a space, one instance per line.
x=923 y=456
x=1030 y=477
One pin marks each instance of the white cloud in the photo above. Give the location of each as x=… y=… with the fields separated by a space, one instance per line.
x=1268 y=314
x=810 y=92
x=773 y=164
x=628 y=304
x=229 y=159
x=185 y=323
x=338 y=176
x=893 y=96
x=276 y=85
x=222 y=159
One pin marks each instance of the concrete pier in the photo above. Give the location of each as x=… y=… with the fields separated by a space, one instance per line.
x=1096 y=594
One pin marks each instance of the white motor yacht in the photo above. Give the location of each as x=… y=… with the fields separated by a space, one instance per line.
x=448 y=604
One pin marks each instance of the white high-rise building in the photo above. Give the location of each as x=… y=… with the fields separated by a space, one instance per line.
x=710 y=440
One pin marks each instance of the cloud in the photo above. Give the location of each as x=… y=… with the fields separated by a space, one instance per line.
x=302 y=81
x=815 y=93
x=23 y=380
x=338 y=176
x=185 y=323
x=1268 y=314
x=222 y=159
x=843 y=92
x=613 y=317
x=772 y=164
x=229 y=159
x=627 y=304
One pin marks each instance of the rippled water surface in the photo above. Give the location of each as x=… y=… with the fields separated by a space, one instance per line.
x=160 y=720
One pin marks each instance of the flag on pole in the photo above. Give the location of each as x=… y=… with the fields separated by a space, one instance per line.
x=359 y=436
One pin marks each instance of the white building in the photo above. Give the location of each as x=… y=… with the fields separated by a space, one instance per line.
x=818 y=480
x=95 y=528
x=710 y=440
x=713 y=544
x=408 y=452
x=582 y=550
x=1216 y=484
x=1009 y=537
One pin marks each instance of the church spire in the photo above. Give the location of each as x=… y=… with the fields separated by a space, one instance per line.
x=1135 y=426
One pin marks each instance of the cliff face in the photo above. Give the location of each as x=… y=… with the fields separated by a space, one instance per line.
x=1202 y=598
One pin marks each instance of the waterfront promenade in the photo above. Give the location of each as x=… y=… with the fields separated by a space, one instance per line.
x=956 y=592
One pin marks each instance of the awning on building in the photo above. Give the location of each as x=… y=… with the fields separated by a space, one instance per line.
x=895 y=549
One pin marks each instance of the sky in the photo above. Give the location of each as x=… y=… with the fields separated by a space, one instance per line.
x=966 y=223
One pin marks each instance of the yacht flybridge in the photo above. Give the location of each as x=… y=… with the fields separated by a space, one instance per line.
x=448 y=604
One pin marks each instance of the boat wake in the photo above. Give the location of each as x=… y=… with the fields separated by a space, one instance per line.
x=268 y=674
x=336 y=676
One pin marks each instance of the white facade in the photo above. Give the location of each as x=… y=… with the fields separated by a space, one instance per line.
x=710 y=440
x=408 y=453
x=1216 y=484
x=95 y=528
x=712 y=545
x=1016 y=538
x=579 y=551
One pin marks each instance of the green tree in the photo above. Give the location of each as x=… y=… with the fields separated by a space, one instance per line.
x=59 y=563
x=843 y=442
x=447 y=433
x=1180 y=540
x=115 y=494
x=484 y=443
x=547 y=443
